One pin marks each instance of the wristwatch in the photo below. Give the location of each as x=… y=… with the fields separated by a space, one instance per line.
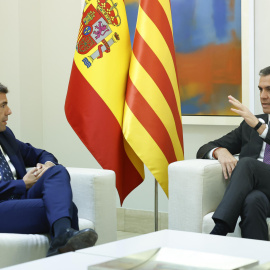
x=261 y=121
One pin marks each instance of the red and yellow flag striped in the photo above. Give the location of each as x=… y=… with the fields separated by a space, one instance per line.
x=96 y=93
x=152 y=116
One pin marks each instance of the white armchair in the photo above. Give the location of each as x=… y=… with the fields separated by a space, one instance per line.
x=94 y=194
x=196 y=187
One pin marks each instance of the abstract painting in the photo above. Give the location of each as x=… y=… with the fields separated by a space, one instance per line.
x=207 y=36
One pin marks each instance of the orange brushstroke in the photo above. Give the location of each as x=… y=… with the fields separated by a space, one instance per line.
x=209 y=66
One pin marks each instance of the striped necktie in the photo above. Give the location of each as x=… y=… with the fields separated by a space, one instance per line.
x=5 y=171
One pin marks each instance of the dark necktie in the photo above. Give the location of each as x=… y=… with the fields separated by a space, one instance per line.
x=5 y=170
x=266 y=158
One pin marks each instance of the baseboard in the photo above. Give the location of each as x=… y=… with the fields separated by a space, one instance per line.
x=139 y=221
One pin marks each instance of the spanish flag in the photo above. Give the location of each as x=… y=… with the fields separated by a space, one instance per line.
x=95 y=99
x=152 y=117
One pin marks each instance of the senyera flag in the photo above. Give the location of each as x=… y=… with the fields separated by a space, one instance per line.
x=96 y=93
x=152 y=117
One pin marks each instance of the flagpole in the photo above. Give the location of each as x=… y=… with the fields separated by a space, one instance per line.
x=156 y=205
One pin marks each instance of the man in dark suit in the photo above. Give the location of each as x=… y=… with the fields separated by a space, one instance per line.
x=40 y=200
x=248 y=193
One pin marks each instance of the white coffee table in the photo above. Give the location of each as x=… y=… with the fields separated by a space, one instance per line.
x=81 y=259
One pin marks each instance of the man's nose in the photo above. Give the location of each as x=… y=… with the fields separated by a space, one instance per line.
x=8 y=112
x=264 y=94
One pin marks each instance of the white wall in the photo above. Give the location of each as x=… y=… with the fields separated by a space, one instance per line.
x=37 y=43
x=10 y=57
x=262 y=44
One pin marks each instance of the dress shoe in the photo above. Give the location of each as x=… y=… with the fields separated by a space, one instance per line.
x=72 y=240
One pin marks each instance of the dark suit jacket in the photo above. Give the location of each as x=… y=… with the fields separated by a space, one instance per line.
x=244 y=141
x=21 y=155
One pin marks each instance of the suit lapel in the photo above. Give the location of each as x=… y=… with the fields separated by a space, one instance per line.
x=264 y=117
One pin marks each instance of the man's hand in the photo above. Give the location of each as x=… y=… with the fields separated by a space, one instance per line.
x=41 y=168
x=227 y=161
x=32 y=176
x=243 y=111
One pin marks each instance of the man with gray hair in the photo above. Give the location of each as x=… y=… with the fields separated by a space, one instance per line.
x=40 y=200
x=248 y=193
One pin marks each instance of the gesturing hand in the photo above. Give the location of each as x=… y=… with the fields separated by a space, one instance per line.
x=227 y=161
x=243 y=111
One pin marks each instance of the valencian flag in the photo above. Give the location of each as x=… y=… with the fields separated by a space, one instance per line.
x=96 y=93
x=152 y=117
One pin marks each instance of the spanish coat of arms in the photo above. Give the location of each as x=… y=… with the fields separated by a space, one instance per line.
x=95 y=30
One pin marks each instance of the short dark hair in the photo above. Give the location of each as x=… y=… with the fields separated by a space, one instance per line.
x=265 y=71
x=3 y=89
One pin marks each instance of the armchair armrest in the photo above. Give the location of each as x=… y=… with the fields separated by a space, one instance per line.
x=94 y=194
x=196 y=187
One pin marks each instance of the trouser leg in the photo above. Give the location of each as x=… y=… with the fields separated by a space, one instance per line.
x=249 y=174
x=47 y=201
x=253 y=216
x=55 y=190
x=28 y=216
x=23 y=216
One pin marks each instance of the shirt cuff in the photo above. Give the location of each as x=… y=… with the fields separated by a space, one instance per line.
x=50 y=162
x=210 y=154
x=263 y=135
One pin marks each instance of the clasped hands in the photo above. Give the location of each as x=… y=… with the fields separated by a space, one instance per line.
x=226 y=159
x=35 y=173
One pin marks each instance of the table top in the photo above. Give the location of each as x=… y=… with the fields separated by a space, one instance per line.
x=66 y=261
x=231 y=246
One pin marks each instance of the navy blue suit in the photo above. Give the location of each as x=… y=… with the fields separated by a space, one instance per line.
x=45 y=202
